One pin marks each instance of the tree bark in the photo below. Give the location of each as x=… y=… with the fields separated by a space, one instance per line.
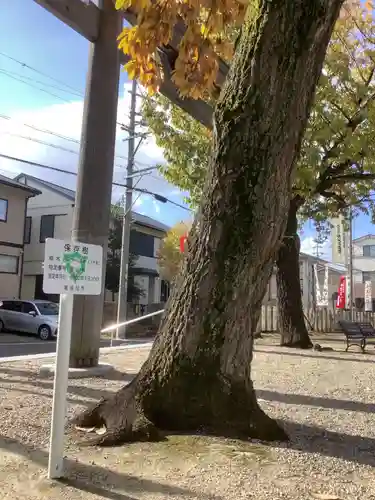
x=291 y=319
x=198 y=374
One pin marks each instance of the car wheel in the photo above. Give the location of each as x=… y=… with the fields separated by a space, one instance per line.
x=1 y=326
x=44 y=332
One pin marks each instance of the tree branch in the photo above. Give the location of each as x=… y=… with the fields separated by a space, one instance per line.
x=351 y=125
x=342 y=179
x=341 y=202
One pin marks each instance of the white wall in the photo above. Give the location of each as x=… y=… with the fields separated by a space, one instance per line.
x=52 y=203
x=48 y=203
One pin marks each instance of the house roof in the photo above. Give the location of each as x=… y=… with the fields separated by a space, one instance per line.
x=6 y=181
x=339 y=268
x=365 y=237
x=68 y=193
x=140 y=219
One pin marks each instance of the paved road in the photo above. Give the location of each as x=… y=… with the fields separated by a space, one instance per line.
x=23 y=345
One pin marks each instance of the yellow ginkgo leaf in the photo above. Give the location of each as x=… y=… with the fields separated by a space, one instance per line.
x=123 y=4
x=131 y=68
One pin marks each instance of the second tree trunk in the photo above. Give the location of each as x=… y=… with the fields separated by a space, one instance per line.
x=291 y=320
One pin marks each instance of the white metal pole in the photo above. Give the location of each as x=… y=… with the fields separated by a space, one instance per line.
x=126 y=221
x=60 y=389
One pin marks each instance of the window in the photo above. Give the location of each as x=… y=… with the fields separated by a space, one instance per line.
x=141 y=244
x=11 y=305
x=164 y=291
x=369 y=250
x=3 y=210
x=27 y=308
x=368 y=276
x=27 y=235
x=48 y=308
x=8 y=264
x=47 y=227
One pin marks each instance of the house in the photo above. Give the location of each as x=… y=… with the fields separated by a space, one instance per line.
x=13 y=205
x=50 y=215
x=363 y=250
x=308 y=281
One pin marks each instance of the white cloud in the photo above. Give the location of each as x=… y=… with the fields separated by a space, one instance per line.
x=308 y=246
x=65 y=120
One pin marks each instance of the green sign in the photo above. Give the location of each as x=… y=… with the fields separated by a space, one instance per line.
x=75 y=264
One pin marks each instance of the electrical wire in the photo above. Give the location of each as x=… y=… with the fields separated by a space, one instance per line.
x=158 y=197
x=2 y=72
x=42 y=130
x=24 y=65
x=56 y=146
x=39 y=82
x=60 y=170
x=45 y=75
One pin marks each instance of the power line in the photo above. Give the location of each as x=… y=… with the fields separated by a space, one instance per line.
x=158 y=197
x=56 y=146
x=43 y=131
x=60 y=170
x=34 y=86
x=24 y=65
x=45 y=84
x=32 y=68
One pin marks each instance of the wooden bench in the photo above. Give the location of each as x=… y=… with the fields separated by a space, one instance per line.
x=353 y=333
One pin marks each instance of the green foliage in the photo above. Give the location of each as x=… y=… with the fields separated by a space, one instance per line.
x=185 y=142
x=336 y=167
x=112 y=276
x=170 y=256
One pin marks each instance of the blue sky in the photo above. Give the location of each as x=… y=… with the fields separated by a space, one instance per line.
x=34 y=37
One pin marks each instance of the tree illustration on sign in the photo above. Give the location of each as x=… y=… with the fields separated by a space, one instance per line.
x=75 y=264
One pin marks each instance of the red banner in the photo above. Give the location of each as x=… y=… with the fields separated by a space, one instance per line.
x=341 y=298
x=182 y=243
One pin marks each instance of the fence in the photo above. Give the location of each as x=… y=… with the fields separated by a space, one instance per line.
x=319 y=320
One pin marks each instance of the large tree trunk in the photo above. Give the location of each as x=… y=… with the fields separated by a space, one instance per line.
x=291 y=319
x=198 y=375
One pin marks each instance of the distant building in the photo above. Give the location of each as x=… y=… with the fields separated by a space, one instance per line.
x=13 y=205
x=363 y=258
x=50 y=215
x=308 y=282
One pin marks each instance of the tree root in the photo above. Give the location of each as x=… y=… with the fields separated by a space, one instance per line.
x=297 y=345
x=296 y=342
x=124 y=421
x=121 y=416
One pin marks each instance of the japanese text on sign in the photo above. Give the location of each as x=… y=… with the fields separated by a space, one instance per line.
x=72 y=267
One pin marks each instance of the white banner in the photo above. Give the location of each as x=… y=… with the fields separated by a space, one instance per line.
x=318 y=295
x=368 y=296
x=339 y=240
x=321 y=295
x=324 y=294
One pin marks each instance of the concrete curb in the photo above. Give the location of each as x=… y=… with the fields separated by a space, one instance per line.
x=101 y=370
x=51 y=355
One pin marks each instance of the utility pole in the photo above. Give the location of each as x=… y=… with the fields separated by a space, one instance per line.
x=350 y=266
x=126 y=219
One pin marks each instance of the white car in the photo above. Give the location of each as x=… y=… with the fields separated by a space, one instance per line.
x=39 y=317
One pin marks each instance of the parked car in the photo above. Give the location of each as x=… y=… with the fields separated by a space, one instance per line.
x=39 y=317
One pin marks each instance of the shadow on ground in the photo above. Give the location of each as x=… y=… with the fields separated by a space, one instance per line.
x=301 y=399
x=98 y=480
x=83 y=391
x=313 y=354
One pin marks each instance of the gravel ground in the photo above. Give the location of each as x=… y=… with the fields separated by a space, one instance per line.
x=324 y=399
